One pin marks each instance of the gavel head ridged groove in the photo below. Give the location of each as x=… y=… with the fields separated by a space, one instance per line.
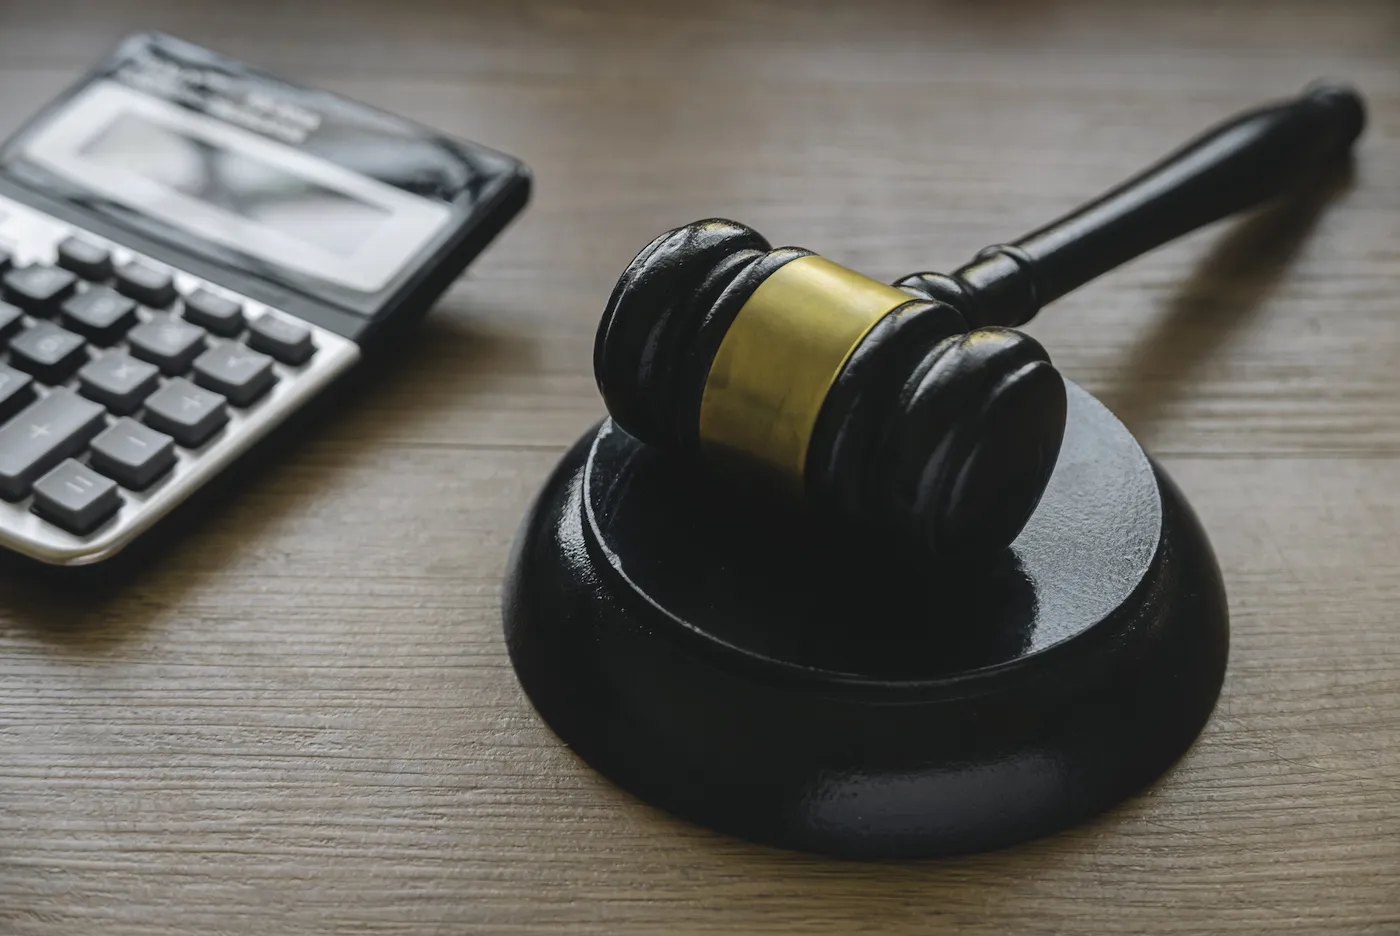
x=873 y=406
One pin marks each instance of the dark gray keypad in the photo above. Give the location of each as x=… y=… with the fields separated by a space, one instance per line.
x=110 y=374
x=209 y=310
x=16 y=392
x=168 y=342
x=101 y=314
x=39 y=290
x=88 y=260
x=287 y=341
x=118 y=381
x=135 y=455
x=75 y=497
x=146 y=284
x=191 y=414
x=59 y=425
x=237 y=372
x=50 y=353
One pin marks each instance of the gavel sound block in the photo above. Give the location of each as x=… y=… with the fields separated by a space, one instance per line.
x=851 y=569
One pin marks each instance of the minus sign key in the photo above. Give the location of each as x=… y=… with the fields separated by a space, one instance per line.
x=132 y=454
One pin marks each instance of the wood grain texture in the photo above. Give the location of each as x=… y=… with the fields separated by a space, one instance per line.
x=302 y=719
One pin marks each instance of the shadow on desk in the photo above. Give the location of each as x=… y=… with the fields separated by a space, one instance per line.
x=1221 y=296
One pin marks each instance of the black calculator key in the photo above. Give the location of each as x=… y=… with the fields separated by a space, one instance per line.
x=11 y=320
x=118 y=381
x=101 y=314
x=50 y=353
x=146 y=284
x=239 y=373
x=191 y=414
x=168 y=342
x=39 y=290
x=220 y=315
x=88 y=260
x=43 y=435
x=287 y=341
x=16 y=392
x=7 y=259
x=133 y=454
x=75 y=497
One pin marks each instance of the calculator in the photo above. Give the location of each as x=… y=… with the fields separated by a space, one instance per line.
x=191 y=251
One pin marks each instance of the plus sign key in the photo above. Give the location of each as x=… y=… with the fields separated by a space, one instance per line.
x=191 y=414
x=44 y=434
x=75 y=497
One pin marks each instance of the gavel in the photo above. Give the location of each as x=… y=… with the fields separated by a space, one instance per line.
x=915 y=410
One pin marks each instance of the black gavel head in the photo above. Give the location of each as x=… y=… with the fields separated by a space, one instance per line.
x=866 y=403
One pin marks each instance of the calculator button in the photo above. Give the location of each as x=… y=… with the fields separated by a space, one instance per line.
x=191 y=414
x=7 y=259
x=287 y=341
x=239 y=373
x=88 y=260
x=10 y=320
x=101 y=314
x=118 y=381
x=133 y=454
x=50 y=353
x=75 y=497
x=43 y=435
x=38 y=290
x=16 y=392
x=168 y=342
x=221 y=316
x=146 y=284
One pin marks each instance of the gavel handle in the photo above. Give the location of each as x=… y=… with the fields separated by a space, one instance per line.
x=1259 y=154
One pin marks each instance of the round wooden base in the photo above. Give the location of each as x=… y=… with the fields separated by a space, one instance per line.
x=808 y=687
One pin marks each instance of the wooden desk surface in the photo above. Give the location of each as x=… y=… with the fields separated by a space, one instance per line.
x=302 y=719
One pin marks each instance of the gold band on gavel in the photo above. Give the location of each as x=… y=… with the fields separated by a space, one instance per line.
x=779 y=358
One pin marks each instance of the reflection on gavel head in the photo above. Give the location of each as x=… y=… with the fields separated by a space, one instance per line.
x=862 y=401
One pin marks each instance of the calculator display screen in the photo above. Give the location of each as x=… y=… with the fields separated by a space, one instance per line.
x=213 y=181
x=241 y=184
